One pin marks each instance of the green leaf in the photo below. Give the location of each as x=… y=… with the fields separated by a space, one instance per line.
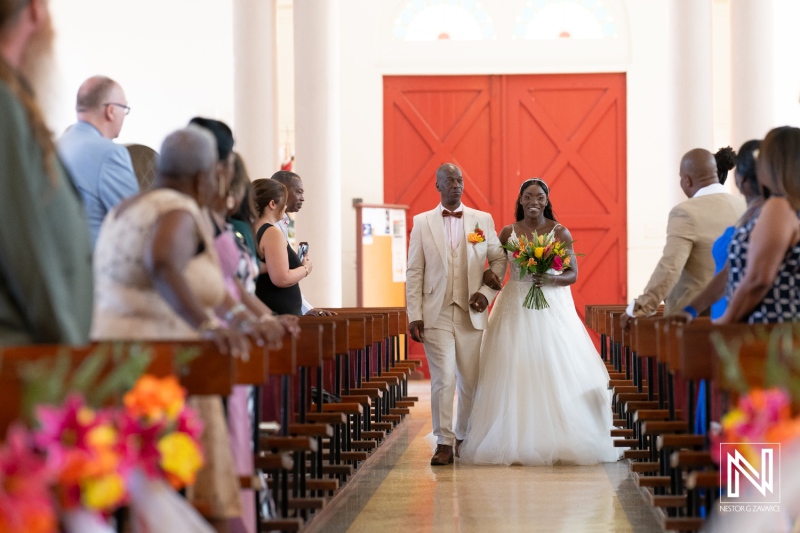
x=88 y=372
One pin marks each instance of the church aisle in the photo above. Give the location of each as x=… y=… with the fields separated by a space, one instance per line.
x=398 y=490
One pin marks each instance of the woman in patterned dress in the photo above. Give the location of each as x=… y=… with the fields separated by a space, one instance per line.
x=764 y=254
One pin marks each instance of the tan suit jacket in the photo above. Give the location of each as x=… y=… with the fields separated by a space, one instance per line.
x=426 y=275
x=687 y=266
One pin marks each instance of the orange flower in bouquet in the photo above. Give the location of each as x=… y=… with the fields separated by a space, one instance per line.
x=155 y=399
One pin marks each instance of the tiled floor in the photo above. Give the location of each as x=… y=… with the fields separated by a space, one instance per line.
x=398 y=490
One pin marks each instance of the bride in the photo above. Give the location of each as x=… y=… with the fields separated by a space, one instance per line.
x=542 y=393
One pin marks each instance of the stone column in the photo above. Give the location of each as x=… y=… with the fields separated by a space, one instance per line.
x=255 y=86
x=318 y=147
x=752 y=72
x=693 y=69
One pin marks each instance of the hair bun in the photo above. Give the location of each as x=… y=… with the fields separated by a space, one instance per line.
x=726 y=159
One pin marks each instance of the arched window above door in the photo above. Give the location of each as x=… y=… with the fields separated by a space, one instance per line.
x=432 y=20
x=560 y=19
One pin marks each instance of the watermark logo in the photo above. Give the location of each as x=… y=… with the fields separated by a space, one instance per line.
x=753 y=481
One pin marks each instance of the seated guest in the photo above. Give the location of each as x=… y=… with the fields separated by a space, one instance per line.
x=747 y=183
x=158 y=278
x=101 y=169
x=278 y=286
x=764 y=255
x=45 y=250
x=686 y=265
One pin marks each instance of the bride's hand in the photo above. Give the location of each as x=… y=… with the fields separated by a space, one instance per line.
x=542 y=280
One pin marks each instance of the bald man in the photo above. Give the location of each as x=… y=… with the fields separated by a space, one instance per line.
x=687 y=266
x=101 y=169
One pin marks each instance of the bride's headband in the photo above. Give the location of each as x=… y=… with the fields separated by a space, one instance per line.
x=539 y=180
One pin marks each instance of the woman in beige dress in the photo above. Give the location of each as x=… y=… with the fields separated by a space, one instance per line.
x=157 y=277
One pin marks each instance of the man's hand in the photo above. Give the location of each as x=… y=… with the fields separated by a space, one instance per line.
x=417 y=330
x=625 y=321
x=491 y=280
x=320 y=312
x=478 y=303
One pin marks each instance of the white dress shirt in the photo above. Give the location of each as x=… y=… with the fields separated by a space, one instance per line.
x=453 y=227
x=714 y=188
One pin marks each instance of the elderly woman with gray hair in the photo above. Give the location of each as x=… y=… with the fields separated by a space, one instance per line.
x=157 y=277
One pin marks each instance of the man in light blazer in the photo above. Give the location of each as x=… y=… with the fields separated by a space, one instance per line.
x=101 y=169
x=687 y=266
x=447 y=301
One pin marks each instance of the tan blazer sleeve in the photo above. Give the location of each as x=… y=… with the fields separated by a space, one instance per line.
x=415 y=272
x=681 y=234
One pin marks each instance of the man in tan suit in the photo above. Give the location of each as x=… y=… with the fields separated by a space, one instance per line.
x=447 y=302
x=687 y=266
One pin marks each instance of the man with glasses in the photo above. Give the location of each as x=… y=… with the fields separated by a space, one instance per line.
x=101 y=169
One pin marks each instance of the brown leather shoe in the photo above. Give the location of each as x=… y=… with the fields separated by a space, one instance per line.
x=458 y=446
x=442 y=456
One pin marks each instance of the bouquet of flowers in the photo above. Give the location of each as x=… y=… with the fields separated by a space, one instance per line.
x=541 y=255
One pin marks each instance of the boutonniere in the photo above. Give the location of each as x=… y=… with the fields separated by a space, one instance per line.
x=476 y=236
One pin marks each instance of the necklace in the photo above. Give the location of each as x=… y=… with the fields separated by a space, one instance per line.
x=532 y=230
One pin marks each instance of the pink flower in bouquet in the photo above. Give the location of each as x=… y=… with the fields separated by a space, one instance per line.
x=140 y=444
x=25 y=503
x=190 y=423
x=67 y=426
x=558 y=264
x=516 y=254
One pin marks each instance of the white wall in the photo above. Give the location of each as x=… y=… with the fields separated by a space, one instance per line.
x=173 y=58
x=786 y=61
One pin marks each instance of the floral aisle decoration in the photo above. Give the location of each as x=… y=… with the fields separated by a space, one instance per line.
x=75 y=460
x=543 y=254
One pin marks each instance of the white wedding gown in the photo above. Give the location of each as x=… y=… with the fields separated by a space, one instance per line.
x=542 y=393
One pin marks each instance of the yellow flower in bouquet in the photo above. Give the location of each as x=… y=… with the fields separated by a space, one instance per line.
x=155 y=398
x=181 y=458
x=104 y=492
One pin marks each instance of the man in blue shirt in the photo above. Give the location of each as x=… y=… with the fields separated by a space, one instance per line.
x=101 y=169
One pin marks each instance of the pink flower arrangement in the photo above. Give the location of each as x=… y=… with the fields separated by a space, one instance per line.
x=761 y=416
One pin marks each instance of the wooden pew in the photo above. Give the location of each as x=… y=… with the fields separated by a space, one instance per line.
x=207 y=373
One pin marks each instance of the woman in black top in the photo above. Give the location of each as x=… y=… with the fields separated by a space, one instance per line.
x=277 y=285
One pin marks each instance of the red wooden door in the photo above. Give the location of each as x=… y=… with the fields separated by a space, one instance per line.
x=568 y=129
x=431 y=120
